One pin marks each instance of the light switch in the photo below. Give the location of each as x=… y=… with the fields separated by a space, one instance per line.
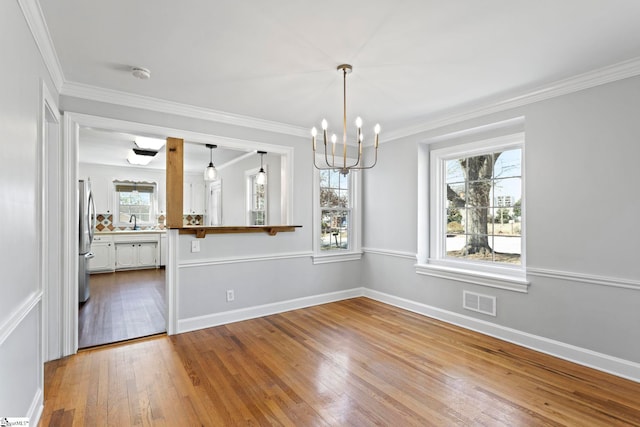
x=195 y=246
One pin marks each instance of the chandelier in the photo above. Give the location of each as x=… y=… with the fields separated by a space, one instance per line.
x=341 y=164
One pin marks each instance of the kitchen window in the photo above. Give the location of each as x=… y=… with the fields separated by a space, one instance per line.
x=134 y=199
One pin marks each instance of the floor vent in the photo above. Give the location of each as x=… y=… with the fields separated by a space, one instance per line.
x=485 y=304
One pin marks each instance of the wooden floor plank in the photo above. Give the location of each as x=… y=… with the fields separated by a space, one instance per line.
x=123 y=305
x=356 y=362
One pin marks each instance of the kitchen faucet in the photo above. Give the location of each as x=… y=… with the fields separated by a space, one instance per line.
x=135 y=222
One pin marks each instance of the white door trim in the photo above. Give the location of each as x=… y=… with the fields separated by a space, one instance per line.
x=49 y=146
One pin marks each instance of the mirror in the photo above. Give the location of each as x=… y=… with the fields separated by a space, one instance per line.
x=233 y=199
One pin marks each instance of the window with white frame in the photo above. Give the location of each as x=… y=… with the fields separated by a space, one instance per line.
x=476 y=206
x=134 y=199
x=336 y=216
x=335 y=210
x=256 y=199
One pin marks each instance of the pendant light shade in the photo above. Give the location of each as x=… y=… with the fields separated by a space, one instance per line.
x=261 y=178
x=211 y=173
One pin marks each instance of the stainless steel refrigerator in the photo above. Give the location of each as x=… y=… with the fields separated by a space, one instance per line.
x=87 y=218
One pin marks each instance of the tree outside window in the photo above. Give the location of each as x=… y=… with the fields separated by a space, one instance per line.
x=483 y=207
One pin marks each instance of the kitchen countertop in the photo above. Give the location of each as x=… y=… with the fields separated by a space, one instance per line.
x=106 y=233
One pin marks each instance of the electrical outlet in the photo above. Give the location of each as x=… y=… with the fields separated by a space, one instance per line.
x=230 y=295
x=195 y=246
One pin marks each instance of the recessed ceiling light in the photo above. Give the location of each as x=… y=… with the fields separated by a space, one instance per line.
x=140 y=157
x=141 y=73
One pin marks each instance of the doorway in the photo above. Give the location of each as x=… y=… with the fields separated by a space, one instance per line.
x=127 y=276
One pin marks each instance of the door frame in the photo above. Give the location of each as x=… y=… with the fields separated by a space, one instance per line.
x=49 y=177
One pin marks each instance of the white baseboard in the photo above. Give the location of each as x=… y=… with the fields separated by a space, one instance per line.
x=602 y=362
x=216 y=319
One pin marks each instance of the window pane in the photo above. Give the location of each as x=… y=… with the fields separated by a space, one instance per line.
x=478 y=221
x=507 y=249
x=508 y=164
x=478 y=168
x=478 y=193
x=456 y=195
x=454 y=171
x=455 y=244
x=506 y=192
x=258 y=217
x=333 y=179
x=455 y=221
x=335 y=229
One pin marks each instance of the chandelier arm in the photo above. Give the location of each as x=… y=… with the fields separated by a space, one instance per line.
x=356 y=163
x=375 y=161
x=326 y=156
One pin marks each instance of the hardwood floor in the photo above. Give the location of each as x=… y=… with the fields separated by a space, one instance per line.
x=354 y=362
x=122 y=306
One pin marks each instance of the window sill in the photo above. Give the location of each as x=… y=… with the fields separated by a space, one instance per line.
x=323 y=258
x=516 y=283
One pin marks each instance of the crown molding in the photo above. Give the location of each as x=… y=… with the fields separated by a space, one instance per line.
x=111 y=96
x=600 y=76
x=35 y=20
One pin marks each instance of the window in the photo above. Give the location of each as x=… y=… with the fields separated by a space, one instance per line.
x=476 y=208
x=482 y=199
x=336 y=216
x=335 y=210
x=134 y=198
x=256 y=200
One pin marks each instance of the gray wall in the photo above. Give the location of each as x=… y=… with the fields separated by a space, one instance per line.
x=582 y=153
x=20 y=294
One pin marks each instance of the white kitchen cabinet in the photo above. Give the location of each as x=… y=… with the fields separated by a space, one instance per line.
x=104 y=255
x=125 y=255
x=193 y=197
x=136 y=250
x=147 y=254
x=102 y=191
x=163 y=250
x=136 y=255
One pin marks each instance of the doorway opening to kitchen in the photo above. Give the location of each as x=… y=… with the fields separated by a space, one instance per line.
x=122 y=292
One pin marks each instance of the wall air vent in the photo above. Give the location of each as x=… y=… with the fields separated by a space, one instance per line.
x=484 y=304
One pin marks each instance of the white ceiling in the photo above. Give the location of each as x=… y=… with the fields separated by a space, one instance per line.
x=275 y=60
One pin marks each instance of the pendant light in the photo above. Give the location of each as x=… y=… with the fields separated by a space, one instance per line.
x=261 y=178
x=211 y=173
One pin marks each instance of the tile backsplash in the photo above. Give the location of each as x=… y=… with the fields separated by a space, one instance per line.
x=104 y=222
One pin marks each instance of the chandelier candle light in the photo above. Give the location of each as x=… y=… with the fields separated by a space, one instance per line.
x=344 y=168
